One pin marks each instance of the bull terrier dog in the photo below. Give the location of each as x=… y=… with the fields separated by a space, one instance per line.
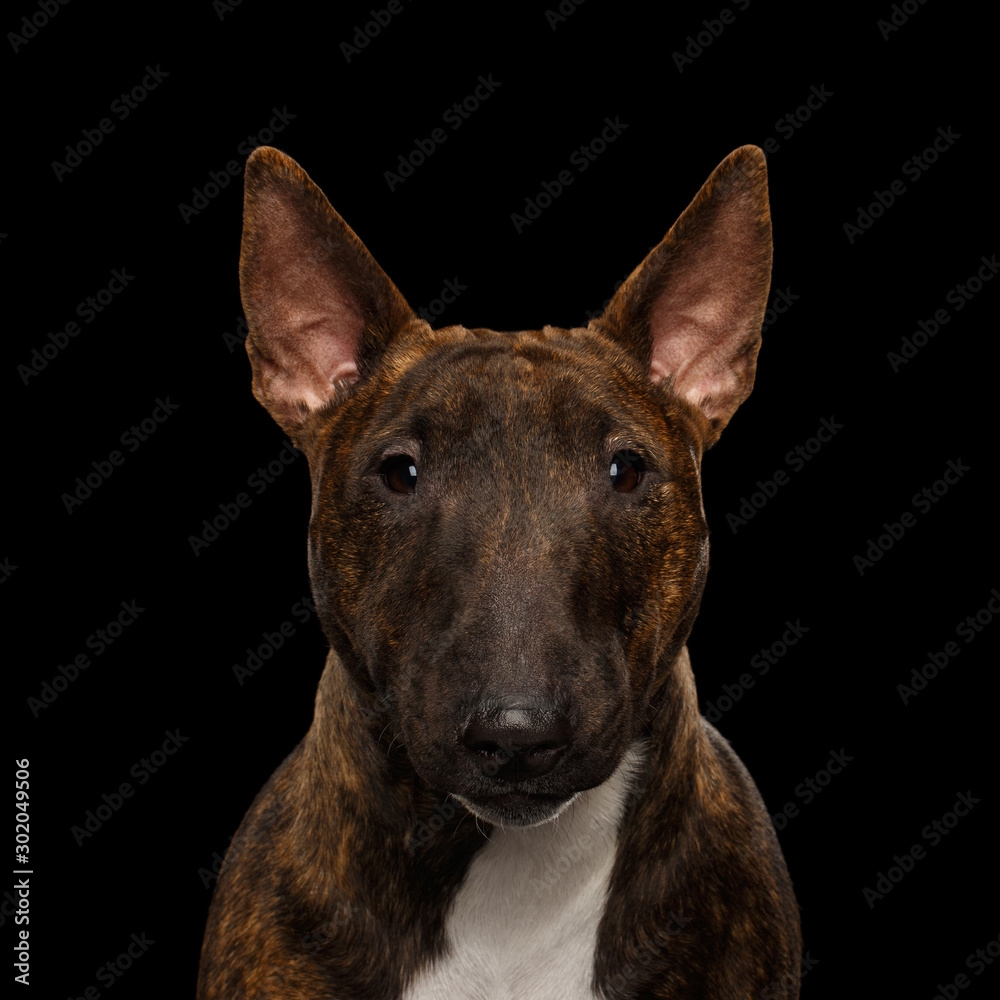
x=507 y=791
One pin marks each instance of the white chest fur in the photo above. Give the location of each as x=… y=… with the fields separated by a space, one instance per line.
x=524 y=922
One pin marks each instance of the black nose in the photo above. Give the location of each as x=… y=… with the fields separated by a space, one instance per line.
x=515 y=739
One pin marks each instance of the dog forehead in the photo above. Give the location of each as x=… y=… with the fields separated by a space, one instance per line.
x=461 y=380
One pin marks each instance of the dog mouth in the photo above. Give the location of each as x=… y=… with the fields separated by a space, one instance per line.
x=520 y=809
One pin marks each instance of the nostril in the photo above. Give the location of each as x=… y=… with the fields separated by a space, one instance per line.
x=479 y=736
x=483 y=747
x=490 y=749
x=529 y=739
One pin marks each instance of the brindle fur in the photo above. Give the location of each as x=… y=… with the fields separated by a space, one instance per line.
x=518 y=568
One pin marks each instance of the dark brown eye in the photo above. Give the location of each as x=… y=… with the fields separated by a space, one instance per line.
x=399 y=472
x=626 y=471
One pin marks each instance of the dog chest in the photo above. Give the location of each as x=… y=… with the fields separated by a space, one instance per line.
x=524 y=923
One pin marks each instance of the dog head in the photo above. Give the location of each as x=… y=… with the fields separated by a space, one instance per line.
x=507 y=543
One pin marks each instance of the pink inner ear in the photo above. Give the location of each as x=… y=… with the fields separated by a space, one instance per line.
x=704 y=324
x=316 y=338
x=695 y=335
x=307 y=324
x=314 y=296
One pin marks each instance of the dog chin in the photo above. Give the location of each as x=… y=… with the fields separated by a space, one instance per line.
x=517 y=810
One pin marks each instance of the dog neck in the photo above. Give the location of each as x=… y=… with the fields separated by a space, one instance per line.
x=524 y=923
x=409 y=870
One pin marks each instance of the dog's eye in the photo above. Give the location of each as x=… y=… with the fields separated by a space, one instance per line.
x=626 y=471
x=399 y=472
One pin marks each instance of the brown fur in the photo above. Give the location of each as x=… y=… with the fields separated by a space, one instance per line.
x=514 y=568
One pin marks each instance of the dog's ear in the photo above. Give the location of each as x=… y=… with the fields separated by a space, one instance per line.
x=319 y=308
x=692 y=310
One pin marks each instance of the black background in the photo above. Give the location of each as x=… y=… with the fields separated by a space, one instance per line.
x=173 y=333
